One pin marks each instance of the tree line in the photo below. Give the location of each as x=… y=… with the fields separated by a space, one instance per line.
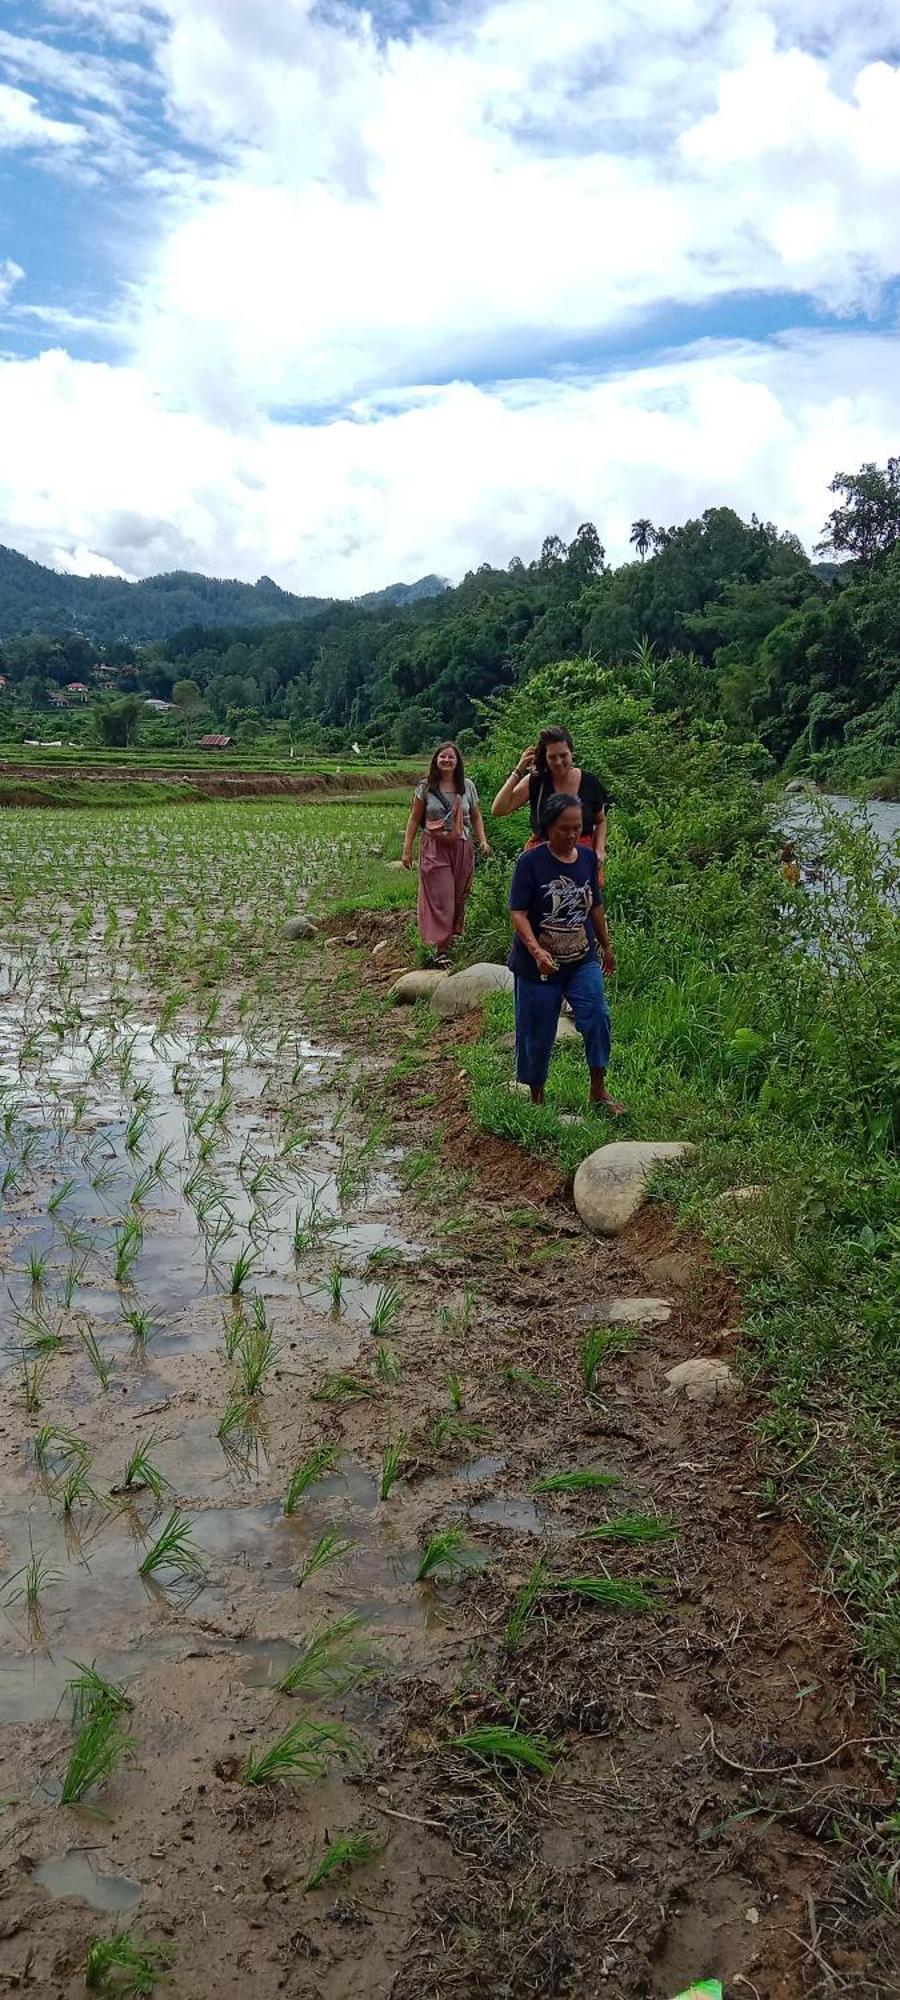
x=726 y=619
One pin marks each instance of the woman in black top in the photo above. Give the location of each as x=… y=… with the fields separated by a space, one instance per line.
x=547 y=768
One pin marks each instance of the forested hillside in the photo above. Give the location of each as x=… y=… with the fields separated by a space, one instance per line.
x=727 y=620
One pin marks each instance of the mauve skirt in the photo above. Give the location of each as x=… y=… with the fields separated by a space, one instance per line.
x=446 y=868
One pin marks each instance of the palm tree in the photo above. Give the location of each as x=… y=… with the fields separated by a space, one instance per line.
x=642 y=536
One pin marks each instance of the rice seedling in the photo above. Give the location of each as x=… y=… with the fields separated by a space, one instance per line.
x=125 y=1964
x=332 y=1662
x=456 y=1430
x=141 y=1474
x=387 y=1367
x=330 y=1548
x=174 y=1549
x=338 y=1388
x=127 y=1246
x=60 y=1195
x=134 y=1131
x=446 y=1554
x=49 y=1442
x=384 y=1312
x=75 y=1270
x=617 y=1593
x=96 y=1753
x=237 y=1423
x=301 y=1751
x=139 y=1324
x=323 y=1458
x=256 y=1356
x=33 y=1372
x=498 y=1745
x=335 y=1286
x=27 y=1584
x=391 y=1463
x=348 y=1850
x=90 y=1691
x=454 y=1389
x=76 y=1490
x=582 y=1479
x=98 y=1360
x=243 y=1267
x=524 y=1607
x=537 y=1385
x=309 y=1230
x=634 y=1528
x=37 y=1269
x=598 y=1342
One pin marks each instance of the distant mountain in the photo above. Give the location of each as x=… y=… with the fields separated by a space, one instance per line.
x=103 y=609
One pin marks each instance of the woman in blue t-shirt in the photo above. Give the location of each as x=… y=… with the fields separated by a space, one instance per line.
x=558 y=917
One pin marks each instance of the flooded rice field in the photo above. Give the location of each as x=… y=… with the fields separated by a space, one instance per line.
x=351 y=1643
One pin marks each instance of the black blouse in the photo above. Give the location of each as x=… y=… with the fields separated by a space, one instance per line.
x=594 y=800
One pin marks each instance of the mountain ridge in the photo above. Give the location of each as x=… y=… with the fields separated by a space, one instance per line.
x=106 y=609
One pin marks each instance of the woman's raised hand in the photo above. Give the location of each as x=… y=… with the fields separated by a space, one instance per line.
x=525 y=762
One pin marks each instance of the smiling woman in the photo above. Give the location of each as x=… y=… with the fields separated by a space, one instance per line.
x=445 y=807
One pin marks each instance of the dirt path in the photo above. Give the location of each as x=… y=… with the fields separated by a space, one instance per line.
x=701 y=1747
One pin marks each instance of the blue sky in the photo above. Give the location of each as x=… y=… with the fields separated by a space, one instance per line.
x=341 y=297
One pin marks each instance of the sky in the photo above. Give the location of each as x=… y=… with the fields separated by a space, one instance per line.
x=343 y=295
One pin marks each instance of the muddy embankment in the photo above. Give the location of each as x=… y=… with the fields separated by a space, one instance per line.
x=31 y=784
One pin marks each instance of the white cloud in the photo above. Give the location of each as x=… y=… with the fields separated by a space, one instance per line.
x=22 y=123
x=11 y=274
x=445 y=480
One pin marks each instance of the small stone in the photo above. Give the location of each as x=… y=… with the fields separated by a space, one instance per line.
x=635 y=1312
x=737 y=1195
x=415 y=986
x=752 y=1915
x=393 y=864
x=611 y=1183
x=701 y=1380
x=380 y=947
x=465 y=990
x=566 y=1030
x=298 y=927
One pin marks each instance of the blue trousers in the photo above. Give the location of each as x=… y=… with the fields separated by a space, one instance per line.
x=537 y=1012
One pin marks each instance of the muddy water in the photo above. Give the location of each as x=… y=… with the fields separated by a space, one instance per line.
x=90 y=1104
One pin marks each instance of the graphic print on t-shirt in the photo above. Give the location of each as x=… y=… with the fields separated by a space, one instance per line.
x=566 y=905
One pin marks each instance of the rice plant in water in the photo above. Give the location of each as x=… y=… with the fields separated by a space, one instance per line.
x=301 y=1751
x=125 y=1964
x=256 y=1356
x=141 y=1474
x=323 y=1458
x=243 y=1267
x=25 y=1585
x=96 y=1753
x=90 y=1690
x=330 y=1548
x=95 y=1355
x=49 y=1442
x=348 y=1850
x=332 y=1662
x=338 y=1388
x=174 y=1549
x=384 y=1312
x=446 y=1554
x=391 y=1463
x=33 y=1373
x=76 y=1489
x=128 y=1240
x=335 y=1286
x=582 y=1479
x=524 y=1607
x=497 y=1745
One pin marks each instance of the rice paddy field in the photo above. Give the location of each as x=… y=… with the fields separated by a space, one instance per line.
x=371 y=1621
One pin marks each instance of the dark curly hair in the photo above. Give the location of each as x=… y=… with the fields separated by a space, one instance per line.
x=550 y=736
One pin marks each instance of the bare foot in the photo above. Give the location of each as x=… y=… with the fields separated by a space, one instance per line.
x=606 y=1103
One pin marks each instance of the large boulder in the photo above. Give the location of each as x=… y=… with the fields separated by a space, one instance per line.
x=299 y=927
x=415 y=986
x=468 y=989
x=611 y=1183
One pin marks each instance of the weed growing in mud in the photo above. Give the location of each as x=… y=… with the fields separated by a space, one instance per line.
x=125 y=1964
x=140 y=1472
x=634 y=1528
x=524 y=1607
x=96 y=1753
x=175 y=1550
x=582 y=1479
x=495 y=1745
x=323 y=1458
x=616 y=1593
x=338 y=1388
x=301 y=1751
x=446 y=1554
x=391 y=1465
x=349 y=1850
x=330 y=1548
x=384 y=1312
x=332 y=1662
x=536 y=1385
x=98 y=1360
x=387 y=1366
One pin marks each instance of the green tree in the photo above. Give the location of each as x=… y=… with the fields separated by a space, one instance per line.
x=414 y=730
x=187 y=697
x=118 y=721
x=868 y=523
x=642 y=536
